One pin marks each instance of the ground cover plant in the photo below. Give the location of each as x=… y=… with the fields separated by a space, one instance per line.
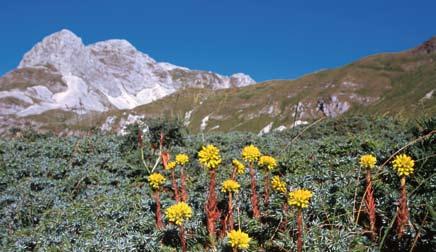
x=159 y=188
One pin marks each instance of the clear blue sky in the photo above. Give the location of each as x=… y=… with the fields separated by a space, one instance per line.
x=267 y=39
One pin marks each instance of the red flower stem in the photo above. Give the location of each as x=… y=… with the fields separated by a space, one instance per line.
x=266 y=192
x=230 y=213
x=182 y=238
x=183 y=186
x=300 y=230
x=403 y=215
x=370 y=205
x=174 y=185
x=159 y=222
x=254 y=202
x=212 y=212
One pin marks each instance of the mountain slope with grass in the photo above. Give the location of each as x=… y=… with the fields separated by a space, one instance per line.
x=396 y=84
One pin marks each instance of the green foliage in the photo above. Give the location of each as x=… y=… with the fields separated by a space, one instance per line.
x=91 y=193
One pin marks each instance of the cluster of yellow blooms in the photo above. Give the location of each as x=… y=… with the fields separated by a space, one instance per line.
x=300 y=198
x=178 y=213
x=368 y=161
x=230 y=185
x=267 y=162
x=240 y=167
x=403 y=165
x=239 y=239
x=278 y=184
x=156 y=180
x=209 y=156
x=171 y=165
x=250 y=153
x=182 y=159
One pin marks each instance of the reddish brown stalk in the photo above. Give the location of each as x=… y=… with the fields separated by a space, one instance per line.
x=254 y=202
x=370 y=205
x=403 y=214
x=231 y=221
x=300 y=230
x=234 y=173
x=182 y=238
x=212 y=212
x=165 y=156
x=159 y=222
x=183 y=186
x=266 y=192
x=174 y=185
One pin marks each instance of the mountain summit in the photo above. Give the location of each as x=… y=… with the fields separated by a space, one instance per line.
x=60 y=72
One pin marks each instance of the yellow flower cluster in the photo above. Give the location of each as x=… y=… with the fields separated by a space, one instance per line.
x=368 y=161
x=182 y=159
x=250 y=153
x=230 y=186
x=156 y=180
x=178 y=213
x=267 y=162
x=278 y=184
x=240 y=167
x=209 y=156
x=238 y=239
x=300 y=198
x=171 y=165
x=403 y=165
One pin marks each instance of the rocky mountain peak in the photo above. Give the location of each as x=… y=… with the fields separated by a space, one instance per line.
x=427 y=47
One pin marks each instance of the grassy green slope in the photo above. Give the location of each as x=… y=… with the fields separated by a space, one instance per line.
x=393 y=84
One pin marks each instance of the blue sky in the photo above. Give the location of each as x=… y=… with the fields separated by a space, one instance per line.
x=268 y=39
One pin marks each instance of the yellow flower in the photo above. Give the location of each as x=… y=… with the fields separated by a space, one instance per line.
x=278 y=184
x=178 y=213
x=209 y=156
x=267 y=162
x=403 y=165
x=182 y=159
x=250 y=153
x=230 y=186
x=171 y=165
x=300 y=198
x=368 y=161
x=238 y=239
x=156 y=180
x=240 y=167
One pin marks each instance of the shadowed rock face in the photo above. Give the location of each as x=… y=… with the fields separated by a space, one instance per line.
x=427 y=47
x=111 y=74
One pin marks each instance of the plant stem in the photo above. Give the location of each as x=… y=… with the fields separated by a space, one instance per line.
x=254 y=202
x=370 y=205
x=183 y=186
x=212 y=212
x=230 y=213
x=266 y=192
x=300 y=230
x=159 y=223
x=403 y=215
x=182 y=238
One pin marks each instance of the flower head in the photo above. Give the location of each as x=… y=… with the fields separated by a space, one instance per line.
x=240 y=167
x=267 y=162
x=171 y=165
x=250 y=153
x=182 y=159
x=230 y=186
x=403 y=165
x=209 y=156
x=156 y=180
x=368 y=161
x=300 y=198
x=238 y=239
x=178 y=213
x=278 y=184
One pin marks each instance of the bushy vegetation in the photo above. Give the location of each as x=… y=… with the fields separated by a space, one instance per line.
x=91 y=193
